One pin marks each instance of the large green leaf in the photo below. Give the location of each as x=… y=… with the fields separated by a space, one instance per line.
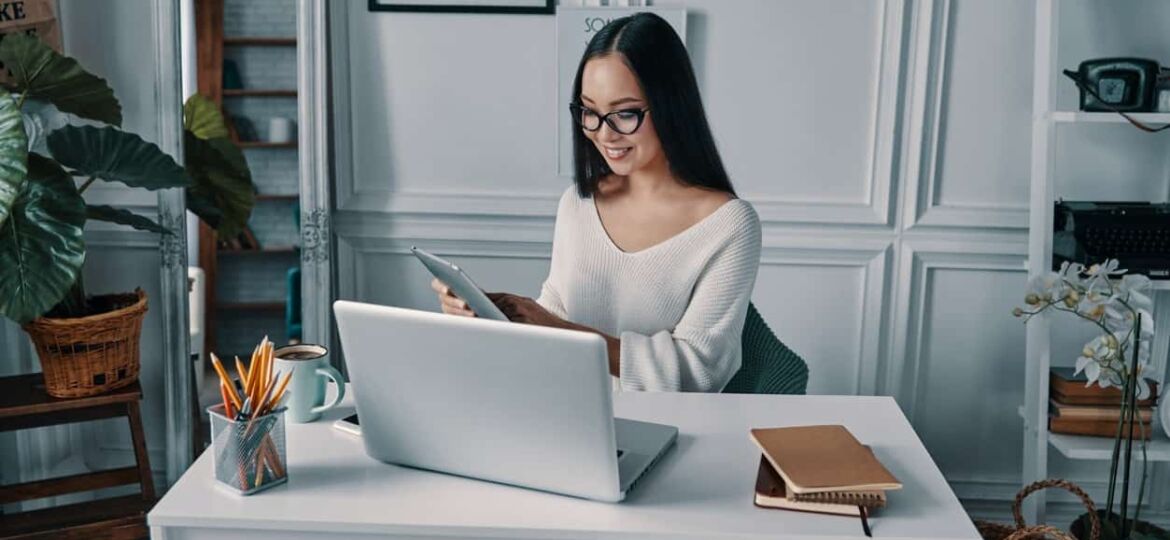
x=13 y=153
x=121 y=216
x=41 y=243
x=44 y=73
x=201 y=116
x=112 y=154
x=221 y=176
x=204 y=206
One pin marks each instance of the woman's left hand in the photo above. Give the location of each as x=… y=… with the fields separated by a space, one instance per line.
x=525 y=310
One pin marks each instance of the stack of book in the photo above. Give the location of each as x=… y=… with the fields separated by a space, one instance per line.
x=1077 y=409
x=820 y=469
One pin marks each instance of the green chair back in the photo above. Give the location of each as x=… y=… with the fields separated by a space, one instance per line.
x=768 y=367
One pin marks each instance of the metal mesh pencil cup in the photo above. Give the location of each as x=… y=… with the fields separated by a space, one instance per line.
x=248 y=459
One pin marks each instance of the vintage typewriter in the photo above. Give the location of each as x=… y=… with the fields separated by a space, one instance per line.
x=1137 y=234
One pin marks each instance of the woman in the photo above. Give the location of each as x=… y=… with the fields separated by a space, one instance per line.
x=652 y=250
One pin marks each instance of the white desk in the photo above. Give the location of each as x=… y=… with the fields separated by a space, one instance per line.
x=701 y=489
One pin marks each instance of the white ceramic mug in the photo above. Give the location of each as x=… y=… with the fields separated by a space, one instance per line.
x=309 y=365
x=281 y=130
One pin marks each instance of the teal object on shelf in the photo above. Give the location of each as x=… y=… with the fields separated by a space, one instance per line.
x=292 y=308
x=769 y=366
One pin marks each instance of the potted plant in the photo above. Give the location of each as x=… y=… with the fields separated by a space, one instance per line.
x=89 y=345
x=1117 y=305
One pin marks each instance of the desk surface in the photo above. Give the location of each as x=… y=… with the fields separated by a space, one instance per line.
x=701 y=489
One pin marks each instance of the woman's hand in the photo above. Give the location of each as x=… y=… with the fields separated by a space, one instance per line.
x=451 y=304
x=525 y=310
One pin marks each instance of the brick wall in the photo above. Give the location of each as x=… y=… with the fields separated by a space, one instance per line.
x=260 y=18
x=261 y=277
x=274 y=170
x=264 y=67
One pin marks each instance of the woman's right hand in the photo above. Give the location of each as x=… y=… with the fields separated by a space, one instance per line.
x=451 y=304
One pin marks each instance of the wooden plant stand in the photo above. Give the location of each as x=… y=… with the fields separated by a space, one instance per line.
x=23 y=405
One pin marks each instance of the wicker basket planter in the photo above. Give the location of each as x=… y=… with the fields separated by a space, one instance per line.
x=1022 y=531
x=86 y=356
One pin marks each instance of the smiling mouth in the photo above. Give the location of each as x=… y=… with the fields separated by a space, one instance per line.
x=617 y=153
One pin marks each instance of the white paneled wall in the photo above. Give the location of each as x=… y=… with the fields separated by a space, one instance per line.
x=885 y=144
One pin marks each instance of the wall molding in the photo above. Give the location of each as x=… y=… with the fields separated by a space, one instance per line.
x=918 y=260
x=876 y=210
x=927 y=91
x=874 y=263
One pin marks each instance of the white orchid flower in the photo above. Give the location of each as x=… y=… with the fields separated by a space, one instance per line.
x=1093 y=304
x=1045 y=289
x=1096 y=352
x=1071 y=273
x=1098 y=295
x=1098 y=275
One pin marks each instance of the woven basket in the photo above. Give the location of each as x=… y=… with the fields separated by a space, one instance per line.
x=1022 y=531
x=86 y=356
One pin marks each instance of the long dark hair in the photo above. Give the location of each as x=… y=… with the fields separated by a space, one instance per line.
x=658 y=58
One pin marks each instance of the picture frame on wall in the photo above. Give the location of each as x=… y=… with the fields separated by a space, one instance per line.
x=533 y=7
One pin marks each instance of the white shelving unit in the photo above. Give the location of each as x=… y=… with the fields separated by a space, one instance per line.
x=1068 y=117
x=1101 y=448
x=1046 y=121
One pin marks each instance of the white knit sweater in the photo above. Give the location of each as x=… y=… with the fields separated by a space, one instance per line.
x=678 y=306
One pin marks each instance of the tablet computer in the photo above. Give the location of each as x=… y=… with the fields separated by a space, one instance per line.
x=461 y=284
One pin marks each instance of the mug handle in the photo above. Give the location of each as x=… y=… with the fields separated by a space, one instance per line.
x=333 y=375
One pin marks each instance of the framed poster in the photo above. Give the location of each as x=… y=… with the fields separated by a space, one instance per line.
x=540 y=7
x=575 y=27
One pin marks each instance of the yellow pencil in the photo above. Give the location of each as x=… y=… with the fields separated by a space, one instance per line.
x=227 y=381
x=254 y=370
x=242 y=371
x=268 y=362
x=228 y=408
x=276 y=397
x=264 y=397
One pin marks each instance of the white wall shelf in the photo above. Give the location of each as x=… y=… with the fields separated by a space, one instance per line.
x=1101 y=448
x=1074 y=117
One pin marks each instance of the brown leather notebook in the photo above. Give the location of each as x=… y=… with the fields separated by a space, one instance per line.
x=814 y=459
x=1096 y=428
x=1071 y=389
x=1098 y=400
x=770 y=493
x=1096 y=412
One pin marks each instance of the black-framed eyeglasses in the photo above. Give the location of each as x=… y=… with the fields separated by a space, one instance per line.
x=624 y=121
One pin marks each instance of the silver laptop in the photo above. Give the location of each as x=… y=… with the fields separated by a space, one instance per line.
x=512 y=403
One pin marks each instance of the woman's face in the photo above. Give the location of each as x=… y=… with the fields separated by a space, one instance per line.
x=608 y=85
